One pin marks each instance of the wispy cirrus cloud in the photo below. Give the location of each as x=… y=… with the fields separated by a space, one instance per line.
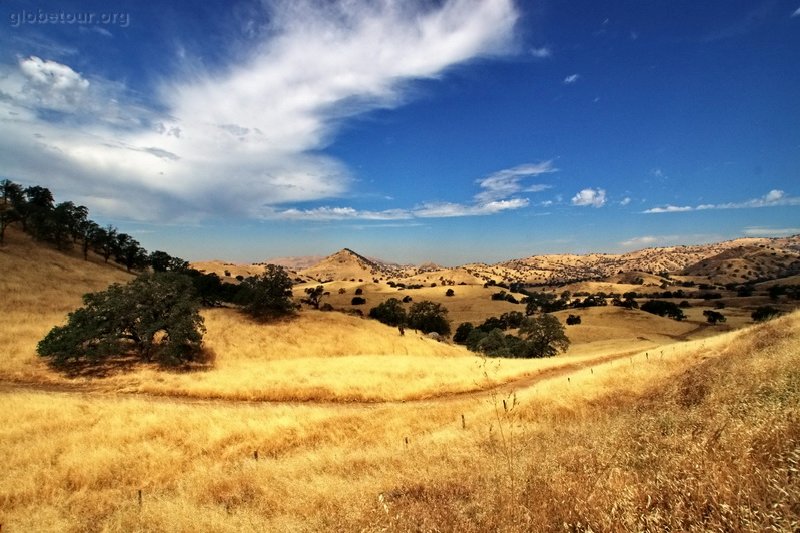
x=258 y=124
x=499 y=192
x=509 y=181
x=542 y=53
x=773 y=198
x=796 y=13
x=645 y=241
x=761 y=231
x=572 y=78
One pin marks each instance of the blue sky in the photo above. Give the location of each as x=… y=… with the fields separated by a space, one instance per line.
x=449 y=130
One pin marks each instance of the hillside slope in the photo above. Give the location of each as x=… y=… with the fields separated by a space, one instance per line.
x=39 y=286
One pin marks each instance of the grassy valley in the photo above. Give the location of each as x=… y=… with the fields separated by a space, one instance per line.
x=329 y=421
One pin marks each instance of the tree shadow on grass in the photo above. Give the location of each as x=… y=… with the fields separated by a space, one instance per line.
x=126 y=363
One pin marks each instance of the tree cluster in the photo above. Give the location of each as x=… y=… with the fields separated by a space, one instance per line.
x=539 y=336
x=66 y=225
x=662 y=308
x=155 y=317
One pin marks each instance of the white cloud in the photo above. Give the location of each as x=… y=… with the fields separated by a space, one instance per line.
x=507 y=182
x=50 y=85
x=796 y=12
x=541 y=53
x=625 y=201
x=249 y=135
x=773 y=198
x=759 y=231
x=572 y=78
x=337 y=213
x=645 y=240
x=497 y=195
x=446 y=209
x=590 y=197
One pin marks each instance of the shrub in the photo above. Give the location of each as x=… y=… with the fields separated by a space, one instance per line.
x=155 y=316
x=764 y=313
x=462 y=332
x=359 y=291
x=390 y=312
x=450 y=292
x=573 y=320
x=662 y=308
x=428 y=317
x=357 y=300
x=713 y=317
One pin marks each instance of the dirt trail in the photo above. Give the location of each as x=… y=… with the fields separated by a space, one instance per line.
x=95 y=391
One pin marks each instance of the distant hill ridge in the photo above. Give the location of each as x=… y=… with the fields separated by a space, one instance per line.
x=738 y=260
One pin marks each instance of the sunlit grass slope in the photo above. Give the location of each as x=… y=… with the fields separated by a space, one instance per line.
x=38 y=287
x=699 y=436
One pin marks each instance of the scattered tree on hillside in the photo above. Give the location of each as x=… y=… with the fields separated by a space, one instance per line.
x=427 y=317
x=163 y=262
x=544 y=336
x=11 y=196
x=573 y=320
x=462 y=332
x=155 y=316
x=764 y=313
x=713 y=317
x=313 y=296
x=391 y=312
x=450 y=292
x=662 y=308
x=357 y=300
x=540 y=336
x=267 y=295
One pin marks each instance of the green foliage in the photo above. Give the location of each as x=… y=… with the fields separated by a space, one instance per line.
x=428 y=317
x=462 y=332
x=764 y=313
x=545 y=302
x=662 y=308
x=544 y=336
x=267 y=295
x=11 y=197
x=314 y=296
x=541 y=336
x=391 y=312
x=163 y=262
x=154 y=316
x=713 y=317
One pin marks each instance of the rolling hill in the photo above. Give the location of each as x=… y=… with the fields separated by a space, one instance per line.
x=735 y=261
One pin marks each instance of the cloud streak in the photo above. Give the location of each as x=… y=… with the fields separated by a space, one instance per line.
x=499 y=192
x=773 y=198
x=246 y=138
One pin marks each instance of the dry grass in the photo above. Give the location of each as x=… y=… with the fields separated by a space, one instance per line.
x=39 y=286
x=704 y=437
x=691 y=436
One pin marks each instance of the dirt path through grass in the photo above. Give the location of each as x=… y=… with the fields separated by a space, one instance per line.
x=525 y=381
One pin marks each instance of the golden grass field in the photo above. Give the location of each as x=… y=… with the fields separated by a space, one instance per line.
x=329 y=422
